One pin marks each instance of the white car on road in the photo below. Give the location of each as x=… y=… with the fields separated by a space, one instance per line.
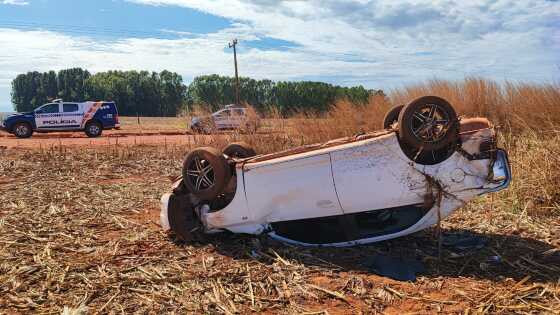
x=349 y=191
x=232 y=117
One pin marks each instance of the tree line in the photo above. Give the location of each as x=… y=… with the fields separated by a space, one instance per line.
x=164 y=94
x=135 y=92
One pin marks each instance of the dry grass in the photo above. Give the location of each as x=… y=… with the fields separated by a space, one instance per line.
x=153 y=124
x=90 y=240
x=513 y=106
x=79 y=228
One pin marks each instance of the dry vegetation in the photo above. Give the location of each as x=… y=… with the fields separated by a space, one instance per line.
x=153 y=124
x=79 y=227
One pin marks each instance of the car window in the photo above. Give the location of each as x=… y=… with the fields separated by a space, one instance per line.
x=223 y=113
x=70 y=107
x=48 y=109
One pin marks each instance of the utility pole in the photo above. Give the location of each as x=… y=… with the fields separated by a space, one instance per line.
x=233 y=44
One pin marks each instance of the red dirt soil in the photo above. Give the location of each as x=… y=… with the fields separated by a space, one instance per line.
x=47 y=140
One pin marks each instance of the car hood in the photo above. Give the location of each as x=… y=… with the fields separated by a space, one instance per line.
x=10 y=115
x=195 y=120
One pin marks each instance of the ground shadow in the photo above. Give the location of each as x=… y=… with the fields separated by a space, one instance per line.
x=502 y=256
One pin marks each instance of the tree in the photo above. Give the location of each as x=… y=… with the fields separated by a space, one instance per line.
x=71 y=84
x=164 y=94
x=215 y=91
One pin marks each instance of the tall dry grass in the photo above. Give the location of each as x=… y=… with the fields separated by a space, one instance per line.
x=513 y=106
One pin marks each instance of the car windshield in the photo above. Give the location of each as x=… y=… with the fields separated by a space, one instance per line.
x=223 y=113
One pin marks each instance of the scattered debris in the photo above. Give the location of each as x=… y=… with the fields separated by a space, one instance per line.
x=463 y=241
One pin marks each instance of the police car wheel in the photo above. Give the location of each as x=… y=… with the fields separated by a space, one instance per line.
x=23 y=130
x=93 y=129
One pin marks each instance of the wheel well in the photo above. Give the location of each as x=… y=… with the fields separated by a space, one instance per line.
x=20 y=122
x=93 y=121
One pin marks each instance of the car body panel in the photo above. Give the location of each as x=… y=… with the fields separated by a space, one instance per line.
x=8 y=123
x=294 y=189
x=236 y=216
x=48 y=116
x=378 y=169
x=229 y=118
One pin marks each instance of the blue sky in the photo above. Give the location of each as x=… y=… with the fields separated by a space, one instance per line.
x=379 y=44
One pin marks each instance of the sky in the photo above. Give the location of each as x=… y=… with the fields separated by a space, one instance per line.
x=382 y=44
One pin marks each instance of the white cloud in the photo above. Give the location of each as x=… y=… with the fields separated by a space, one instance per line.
x=380 y=44
x=15 y=2
x=504 y=39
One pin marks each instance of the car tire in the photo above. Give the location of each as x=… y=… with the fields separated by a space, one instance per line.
x=181 y=216
x=428 y=123
x=93 y=129
x=22 y=130
x=392 y=116
x=195 y=129
x=239 y=150
x=251 y=127
x=201 y=130
x=205 y=172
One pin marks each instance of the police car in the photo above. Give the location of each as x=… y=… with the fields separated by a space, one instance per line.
x=90 y=117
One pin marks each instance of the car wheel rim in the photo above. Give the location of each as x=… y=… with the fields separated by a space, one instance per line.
x=430 y=123
x=93 y=129
x=21 y=130
x=200 y=173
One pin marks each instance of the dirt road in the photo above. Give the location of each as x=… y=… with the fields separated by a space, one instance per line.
x=108 y=138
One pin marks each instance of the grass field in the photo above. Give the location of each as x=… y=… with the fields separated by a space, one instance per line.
x=79 y=227
x=151 y=124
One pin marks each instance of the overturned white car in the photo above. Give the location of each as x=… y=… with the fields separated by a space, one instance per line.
x=349 y=191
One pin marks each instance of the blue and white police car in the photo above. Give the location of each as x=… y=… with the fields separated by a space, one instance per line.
x=90 y=117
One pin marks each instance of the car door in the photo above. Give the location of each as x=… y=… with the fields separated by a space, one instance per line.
x=48 y=116
x=374 y=174
x=237 y=117
x=291 y=188
x=221 y=119
x=71 y=117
